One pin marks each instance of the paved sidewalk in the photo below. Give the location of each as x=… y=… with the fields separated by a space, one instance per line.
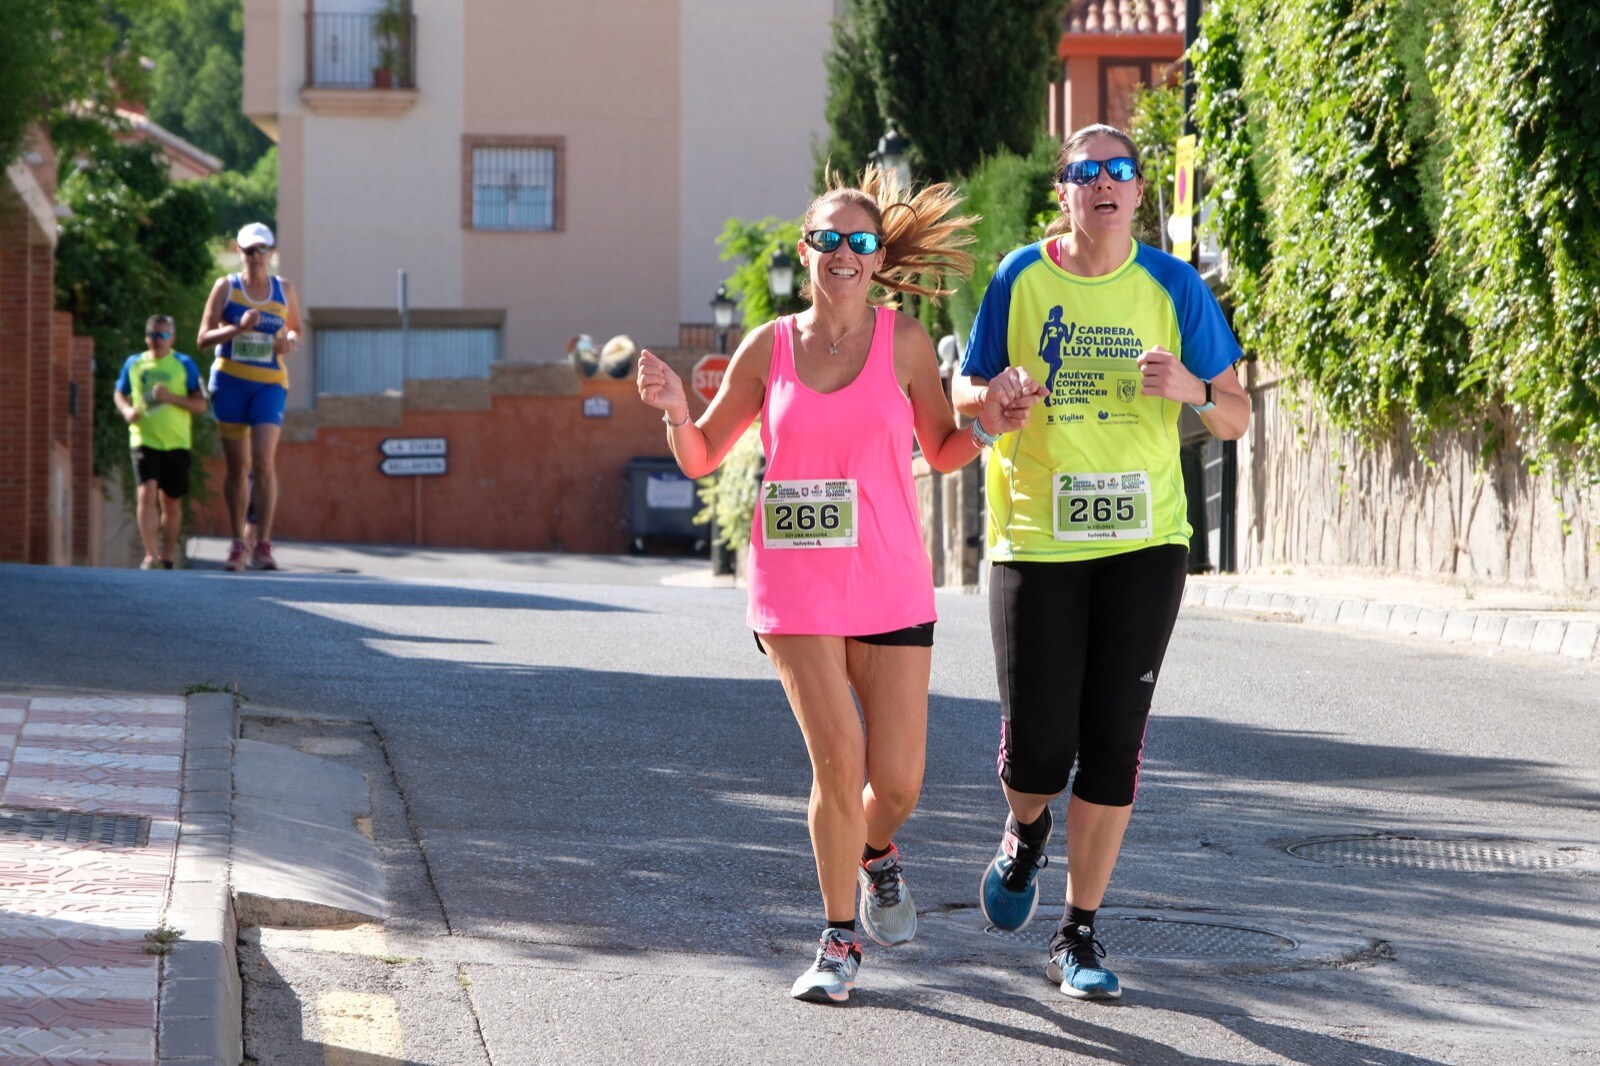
x=1517 y=619
x=90 y=795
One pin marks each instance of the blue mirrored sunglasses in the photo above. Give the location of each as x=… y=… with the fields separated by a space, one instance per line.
x=157 y=335
x=1083 y=171
x=826 y=240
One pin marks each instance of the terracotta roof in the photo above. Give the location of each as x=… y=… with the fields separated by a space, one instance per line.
x=1125 y=16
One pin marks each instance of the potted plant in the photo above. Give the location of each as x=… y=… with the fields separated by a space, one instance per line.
x=390 y=29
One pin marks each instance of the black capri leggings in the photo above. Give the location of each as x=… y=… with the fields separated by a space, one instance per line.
x=1077 y=648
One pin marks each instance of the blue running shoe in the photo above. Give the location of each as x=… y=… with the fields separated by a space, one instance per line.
x=1075 y=965
x=1010 y=890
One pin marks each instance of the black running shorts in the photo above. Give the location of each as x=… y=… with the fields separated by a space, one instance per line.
x=1077 y=649
x=168 y=469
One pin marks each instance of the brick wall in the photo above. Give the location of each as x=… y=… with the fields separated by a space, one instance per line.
x=47 y=491
x=527 y=469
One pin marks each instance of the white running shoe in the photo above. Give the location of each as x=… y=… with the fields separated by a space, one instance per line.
x=833 y=975
x=887 y=913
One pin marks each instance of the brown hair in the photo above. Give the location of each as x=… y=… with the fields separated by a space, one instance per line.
x=924 y=242
x=1071 y=147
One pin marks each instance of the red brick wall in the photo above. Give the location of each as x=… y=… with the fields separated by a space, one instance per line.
x=531 y=473
x=17 y=324
x=39 y=360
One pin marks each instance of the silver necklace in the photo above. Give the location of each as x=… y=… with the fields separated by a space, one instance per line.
x=833 y=345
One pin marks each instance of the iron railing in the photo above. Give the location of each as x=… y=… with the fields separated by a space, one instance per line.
x=346 y=51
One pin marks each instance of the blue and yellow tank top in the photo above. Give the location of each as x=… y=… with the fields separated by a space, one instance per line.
x=1096 y=470
x=250 y=355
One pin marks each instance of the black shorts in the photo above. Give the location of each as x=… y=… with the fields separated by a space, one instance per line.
x=918 y=636
x=168 y=469
x=1077 y=649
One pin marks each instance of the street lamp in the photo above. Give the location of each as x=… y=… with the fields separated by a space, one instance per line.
x=780 y=279
x=891 y=156
x=722 y=316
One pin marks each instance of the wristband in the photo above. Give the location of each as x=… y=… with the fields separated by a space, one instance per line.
x=1208 y=405
x=667 y=418
x=981 y=437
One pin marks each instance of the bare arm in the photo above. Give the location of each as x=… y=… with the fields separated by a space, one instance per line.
x=213 y=331
x=289 y=339
x=1166 y=376
x=700 y=446
x=946 y=446
x=125 y=407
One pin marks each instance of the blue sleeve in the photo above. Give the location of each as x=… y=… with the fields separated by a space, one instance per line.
x=191 y=374
x=124 y=383
x=1209 y=346
x=988 y=346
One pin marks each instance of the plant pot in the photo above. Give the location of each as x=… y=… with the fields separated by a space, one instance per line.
x=382 y=78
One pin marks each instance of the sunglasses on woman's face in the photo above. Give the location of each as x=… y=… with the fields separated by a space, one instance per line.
x=826 y=240
x=258 y=249
x=1083 y=171
x=155 y=336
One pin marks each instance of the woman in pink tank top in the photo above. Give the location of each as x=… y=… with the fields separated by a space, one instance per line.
x=841 y=588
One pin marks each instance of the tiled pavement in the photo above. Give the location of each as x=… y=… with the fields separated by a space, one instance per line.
x=76 y=984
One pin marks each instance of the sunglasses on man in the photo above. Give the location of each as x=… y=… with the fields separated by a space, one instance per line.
x=157 y=335
x=257 y=249
x=1084 y=171
x=862 y=242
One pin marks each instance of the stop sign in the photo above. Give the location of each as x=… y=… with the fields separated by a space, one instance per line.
x=707 y=376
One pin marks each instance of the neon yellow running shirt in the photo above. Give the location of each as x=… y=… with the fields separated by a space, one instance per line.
x=1095 y=471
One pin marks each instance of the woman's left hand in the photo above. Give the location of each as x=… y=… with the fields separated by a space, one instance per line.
x=286 y=342
x=1167 y=377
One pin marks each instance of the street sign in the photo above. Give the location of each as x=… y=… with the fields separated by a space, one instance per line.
x=413 y=465
x=707 y=376
x=399 y=446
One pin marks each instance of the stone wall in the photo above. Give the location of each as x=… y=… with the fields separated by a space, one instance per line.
x=1313 y=496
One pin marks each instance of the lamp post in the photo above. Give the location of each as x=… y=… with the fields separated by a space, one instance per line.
x=722 y=316
x=780 y=280
x=891 y=156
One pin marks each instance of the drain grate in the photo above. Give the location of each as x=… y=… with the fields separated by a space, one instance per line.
x=1459 y=855
x=70 y=827
x=1150 y=937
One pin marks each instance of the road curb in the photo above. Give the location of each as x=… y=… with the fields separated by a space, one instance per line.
x=201 y=1007
x=1543 y=633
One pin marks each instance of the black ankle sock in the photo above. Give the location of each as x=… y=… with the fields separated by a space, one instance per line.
x=1035 y=830
x=1077 y=916
x=847 y=926
x=869 y=852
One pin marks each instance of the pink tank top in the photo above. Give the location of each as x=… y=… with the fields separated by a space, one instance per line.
x=860 y=433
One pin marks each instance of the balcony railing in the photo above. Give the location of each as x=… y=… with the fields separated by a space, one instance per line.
x=361 y=51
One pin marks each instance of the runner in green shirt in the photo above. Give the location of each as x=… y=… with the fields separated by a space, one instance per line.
x=159 y=393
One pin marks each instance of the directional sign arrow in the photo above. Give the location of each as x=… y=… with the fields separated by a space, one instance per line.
x=398 y=446
x=413 y=465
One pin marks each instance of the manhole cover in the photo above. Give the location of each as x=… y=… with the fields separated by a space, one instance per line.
x=69 y=827
x=1421 y=853
x=1151 y=937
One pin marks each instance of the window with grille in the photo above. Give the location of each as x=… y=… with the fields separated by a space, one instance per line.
x=515 y=186
x=366 y=361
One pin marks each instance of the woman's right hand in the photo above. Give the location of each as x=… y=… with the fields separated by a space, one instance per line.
x=661 y=387
x=249 y=319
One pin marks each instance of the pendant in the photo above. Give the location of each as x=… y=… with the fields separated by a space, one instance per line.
x=833 y=349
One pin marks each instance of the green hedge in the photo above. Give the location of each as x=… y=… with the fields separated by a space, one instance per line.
x=1406 y=190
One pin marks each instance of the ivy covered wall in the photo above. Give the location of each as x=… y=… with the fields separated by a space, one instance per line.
x=1407 y=190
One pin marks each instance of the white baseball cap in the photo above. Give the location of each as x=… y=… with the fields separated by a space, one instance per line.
x=256 y=233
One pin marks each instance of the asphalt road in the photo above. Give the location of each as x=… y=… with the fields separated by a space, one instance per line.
x=590 y=798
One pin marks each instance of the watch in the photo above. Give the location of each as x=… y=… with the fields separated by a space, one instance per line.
x=1208 y=405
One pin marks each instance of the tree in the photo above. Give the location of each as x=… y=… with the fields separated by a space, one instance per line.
x=197 y=88
x=63 y=57
x=961 y=81
x=851 y=110
x=135 y=244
